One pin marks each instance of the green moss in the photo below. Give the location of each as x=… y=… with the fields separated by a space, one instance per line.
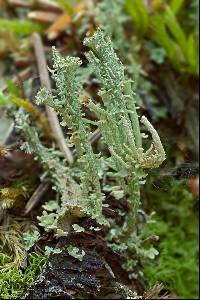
x=14 y=282
x=177 y=227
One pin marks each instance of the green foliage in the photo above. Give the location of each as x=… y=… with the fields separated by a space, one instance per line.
x=14 y=282
x=20 y=27
x=182 y=50
x=13 y=89
x=175 y=28
x=67 y=5
x=139 y=13
x=165 y=29
x=4 y=99
x=177 y=227
x=193 y=14
x=156 y=54
x=175 y=5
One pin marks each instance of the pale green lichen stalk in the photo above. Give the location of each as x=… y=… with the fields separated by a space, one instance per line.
x=73 y=202
x=67 y=104
x=81 y=194
x=112 y=10
x=119 y=123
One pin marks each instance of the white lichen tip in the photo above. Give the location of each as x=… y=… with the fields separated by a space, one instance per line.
x=67 y=62
x=156 y=154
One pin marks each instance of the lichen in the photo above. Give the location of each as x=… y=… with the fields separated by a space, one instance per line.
x=76 y=252
x=79 y=186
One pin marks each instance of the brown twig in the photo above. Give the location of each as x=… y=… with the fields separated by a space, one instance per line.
x=37 y=196
x=42 y=16
x=49 y=5
x=95 y=136
x=19 y=3
x=46 y=5
x=22 y=76
x=45 y=82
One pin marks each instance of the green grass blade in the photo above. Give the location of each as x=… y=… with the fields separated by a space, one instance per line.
x=139 y=13
x=192 y=54
x=162 y=38
x=67 y=5
x=176 y=5
x=20 y=27
x=175 y=29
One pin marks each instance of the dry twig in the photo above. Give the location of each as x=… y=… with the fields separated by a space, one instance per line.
x=37 y=196
x=45 y=5
x=42 y=16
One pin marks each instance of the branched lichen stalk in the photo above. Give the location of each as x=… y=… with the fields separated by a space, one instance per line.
x=119 y=124
x=67 y=104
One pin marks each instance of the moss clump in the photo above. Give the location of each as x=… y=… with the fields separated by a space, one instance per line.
x=177 y=227
x=14 y=282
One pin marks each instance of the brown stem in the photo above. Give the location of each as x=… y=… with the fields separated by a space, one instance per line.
x=45 y=5
x=37 y=196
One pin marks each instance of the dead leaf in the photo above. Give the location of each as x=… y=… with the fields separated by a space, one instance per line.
x=62 y=22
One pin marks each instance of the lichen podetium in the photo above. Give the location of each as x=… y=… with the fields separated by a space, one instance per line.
x=120 y=127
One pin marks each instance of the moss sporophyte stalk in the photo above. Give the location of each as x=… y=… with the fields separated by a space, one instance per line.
x=79 y=186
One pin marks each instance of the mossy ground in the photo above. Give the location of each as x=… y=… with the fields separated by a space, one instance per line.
x=14 y=282
x=177 y=227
